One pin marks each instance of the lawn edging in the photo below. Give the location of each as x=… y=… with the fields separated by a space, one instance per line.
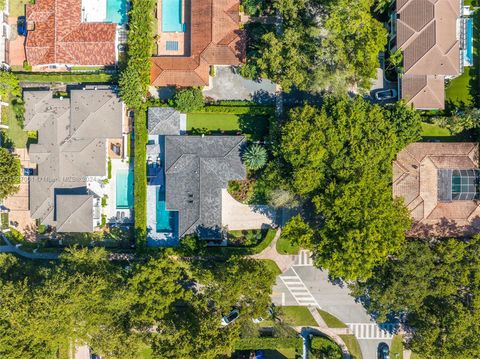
x=331 y=320
x=352 y=344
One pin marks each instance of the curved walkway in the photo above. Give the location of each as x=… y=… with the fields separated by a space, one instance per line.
x=10 y=248
x=284 y=262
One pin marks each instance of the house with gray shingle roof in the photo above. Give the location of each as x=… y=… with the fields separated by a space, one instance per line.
x=71 y=152
x=430 y=34
x=186 y=175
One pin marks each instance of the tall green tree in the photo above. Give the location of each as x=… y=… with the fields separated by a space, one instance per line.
x=9 y=173
x=338 y=158
x=320 y=45
x=433 y=288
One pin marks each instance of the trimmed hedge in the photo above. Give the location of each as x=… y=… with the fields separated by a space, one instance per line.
x=268 y=343
x=65 y=77
x=140 y=178
x=135 y=79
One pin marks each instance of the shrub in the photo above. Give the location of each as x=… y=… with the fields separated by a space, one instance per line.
x=140 y=177
x=27 y=66
x=189 y=99
x=109 y=168
x=255 y=157
x=198 y=131
x=325 y=348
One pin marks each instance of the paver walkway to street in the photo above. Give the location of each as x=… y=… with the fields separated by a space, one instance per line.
x=284 y=262
x=10 y=248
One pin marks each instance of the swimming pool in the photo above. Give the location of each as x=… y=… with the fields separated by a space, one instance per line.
x=124 y=188
x=469 y=49
x=166 y=220
x=117 y=11
x=172 y=16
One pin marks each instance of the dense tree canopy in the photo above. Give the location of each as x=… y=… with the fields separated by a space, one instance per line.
x=320 y=45
x=9 y=173
x=434 y=288
x=172 y=306
x=339 y=158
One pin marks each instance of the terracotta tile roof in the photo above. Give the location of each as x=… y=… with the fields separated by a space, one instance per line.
x=216 y=39
x=424 y=92
x=427 y=36
x=59 y=36
x=416 y=180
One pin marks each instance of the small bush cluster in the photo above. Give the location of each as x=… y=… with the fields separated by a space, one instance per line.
x=188 y=100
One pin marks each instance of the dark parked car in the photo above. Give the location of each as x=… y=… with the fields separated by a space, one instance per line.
x=22 y=25
x=383 y=351
x=385 y=95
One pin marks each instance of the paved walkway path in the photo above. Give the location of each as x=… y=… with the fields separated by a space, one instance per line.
x=284 y=262
x=333 y=334
x=10 y=248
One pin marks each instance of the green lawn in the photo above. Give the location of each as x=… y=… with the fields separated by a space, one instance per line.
x=254 y=127
x=352 y=345
x=396 y=348
x=65 y=77
x=459 y=91
x=17 y=7
x=434 y=133
x=15 y=133
x=298 y=316
x=272 y=266
x=286 y=247
x=331 y=320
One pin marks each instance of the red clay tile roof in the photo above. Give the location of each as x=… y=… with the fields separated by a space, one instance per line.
x=59 y=36
x=215 y=40
x=427 y=36
x=415 y=179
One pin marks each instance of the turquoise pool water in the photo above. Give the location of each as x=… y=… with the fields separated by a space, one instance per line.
x=469 y=52
x=172 y=16
x=166 y=220
x=117 y=11
x=124 y=189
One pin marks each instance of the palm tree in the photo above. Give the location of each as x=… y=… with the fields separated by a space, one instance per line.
x=255 y=157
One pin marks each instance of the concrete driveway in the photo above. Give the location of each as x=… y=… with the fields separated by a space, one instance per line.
x=239 y=216
x=306 y=285
x=227 y=85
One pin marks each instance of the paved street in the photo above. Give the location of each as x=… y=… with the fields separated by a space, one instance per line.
x=306 y=285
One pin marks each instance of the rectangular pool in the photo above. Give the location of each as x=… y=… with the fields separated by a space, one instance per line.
x=124 y=189
x=117 y=11
x=172 y=16
x=166 y=220
x=469 y=49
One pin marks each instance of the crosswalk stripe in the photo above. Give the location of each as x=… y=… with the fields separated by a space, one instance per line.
x=303 y=259
x=299 y=290
x=372 y=330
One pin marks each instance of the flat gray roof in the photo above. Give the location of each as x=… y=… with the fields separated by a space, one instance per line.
x=197 y=168
x=72 y=134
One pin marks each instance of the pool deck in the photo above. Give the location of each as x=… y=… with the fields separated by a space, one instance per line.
x=163 y=37
x=110 y=210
